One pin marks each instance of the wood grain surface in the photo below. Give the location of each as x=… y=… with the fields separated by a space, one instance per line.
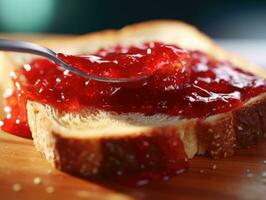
x=240 y=177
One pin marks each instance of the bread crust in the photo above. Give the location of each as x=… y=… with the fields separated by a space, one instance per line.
x=217 y=136
x=142 y=153
x=113 y=154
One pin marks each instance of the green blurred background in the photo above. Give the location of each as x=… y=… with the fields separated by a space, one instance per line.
x=220 y=19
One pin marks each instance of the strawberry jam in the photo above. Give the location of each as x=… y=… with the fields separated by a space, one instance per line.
x=181 y=82
x=133 y=62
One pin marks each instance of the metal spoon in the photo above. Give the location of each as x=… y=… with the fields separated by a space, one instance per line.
x=28 y=47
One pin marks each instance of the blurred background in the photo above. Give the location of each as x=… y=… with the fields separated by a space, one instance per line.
x=239 y=25
x=220 y=19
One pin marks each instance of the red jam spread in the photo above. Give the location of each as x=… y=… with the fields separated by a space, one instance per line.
x=136 y=61
x=181 y=82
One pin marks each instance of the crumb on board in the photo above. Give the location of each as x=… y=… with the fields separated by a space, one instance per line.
x=37 y=180
x=83 y=193
x=16 y=187
x=50 y=189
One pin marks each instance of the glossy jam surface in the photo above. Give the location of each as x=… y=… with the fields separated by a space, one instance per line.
x=122 y=62
x=181 y=82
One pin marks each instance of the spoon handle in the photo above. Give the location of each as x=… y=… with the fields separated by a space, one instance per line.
x=26 y=47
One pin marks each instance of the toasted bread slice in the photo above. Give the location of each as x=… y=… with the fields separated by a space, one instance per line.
x=90 y=143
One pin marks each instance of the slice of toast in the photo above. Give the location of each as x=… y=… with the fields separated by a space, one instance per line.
x=100 y=142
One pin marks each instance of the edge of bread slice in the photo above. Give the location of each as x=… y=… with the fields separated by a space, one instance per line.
x=93 y=142
x=85 y=144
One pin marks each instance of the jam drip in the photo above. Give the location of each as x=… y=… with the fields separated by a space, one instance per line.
x=181 y=82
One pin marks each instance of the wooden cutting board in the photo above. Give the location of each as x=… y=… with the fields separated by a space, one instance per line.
x=240 y=177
